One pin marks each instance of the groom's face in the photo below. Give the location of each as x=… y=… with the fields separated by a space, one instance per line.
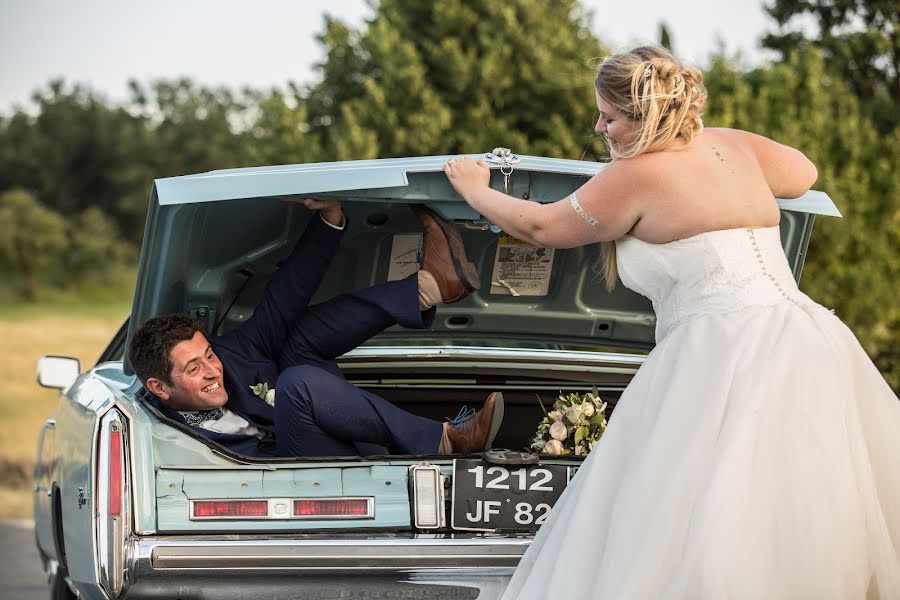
x=196 y=379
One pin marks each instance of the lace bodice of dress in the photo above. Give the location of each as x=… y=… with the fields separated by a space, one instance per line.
x=716 y=271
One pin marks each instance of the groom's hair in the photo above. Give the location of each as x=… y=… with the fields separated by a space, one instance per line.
x=151 y=345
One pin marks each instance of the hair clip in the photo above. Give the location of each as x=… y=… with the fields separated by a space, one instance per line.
x=678 y=79
x=647 y=72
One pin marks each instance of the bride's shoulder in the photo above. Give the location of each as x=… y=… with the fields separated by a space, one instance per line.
x=726 y=134
x=722 y=131
x=635 y=164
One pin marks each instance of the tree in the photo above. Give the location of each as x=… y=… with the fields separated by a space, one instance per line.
x=277 y=128
x=95 y=250
x=858 y=38
x=665 y=37
x=73 y=153
x=451 y=77
x=31 y=238
x=191 y=128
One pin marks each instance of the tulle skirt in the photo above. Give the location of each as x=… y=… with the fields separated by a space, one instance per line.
x=756 y=454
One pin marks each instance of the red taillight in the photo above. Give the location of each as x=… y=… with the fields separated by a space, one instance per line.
x=331 y=508
x=231 y=508
x=116 y=467
x=112 y=525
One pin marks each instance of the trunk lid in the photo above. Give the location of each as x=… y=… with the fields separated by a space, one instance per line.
x=213 y=239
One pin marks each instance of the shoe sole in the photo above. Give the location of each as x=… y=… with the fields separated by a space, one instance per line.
x=496 y=420
x=465 y=270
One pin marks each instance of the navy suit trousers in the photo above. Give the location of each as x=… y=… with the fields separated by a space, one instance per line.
x=317 y=411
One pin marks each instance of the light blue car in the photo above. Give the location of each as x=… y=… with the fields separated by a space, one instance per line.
x=129 y=504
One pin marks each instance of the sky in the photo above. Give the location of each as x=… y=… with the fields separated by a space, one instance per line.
x=266 y=43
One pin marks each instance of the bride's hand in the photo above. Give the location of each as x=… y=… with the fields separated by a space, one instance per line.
x=467 y=175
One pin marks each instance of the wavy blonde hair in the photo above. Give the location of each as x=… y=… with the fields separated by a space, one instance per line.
x=650 y=87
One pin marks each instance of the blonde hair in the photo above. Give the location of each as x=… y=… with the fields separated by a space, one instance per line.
x=649 y=86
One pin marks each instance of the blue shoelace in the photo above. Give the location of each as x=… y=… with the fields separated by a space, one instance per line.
x=465 y=413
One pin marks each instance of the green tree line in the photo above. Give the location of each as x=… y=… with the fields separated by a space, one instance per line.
x=421 y=77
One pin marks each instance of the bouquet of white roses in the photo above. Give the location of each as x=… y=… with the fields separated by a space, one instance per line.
x=573 y=426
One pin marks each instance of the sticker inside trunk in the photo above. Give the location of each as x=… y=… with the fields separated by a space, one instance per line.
x=521 y=269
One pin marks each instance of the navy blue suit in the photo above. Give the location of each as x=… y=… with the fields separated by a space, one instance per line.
x=292 y=346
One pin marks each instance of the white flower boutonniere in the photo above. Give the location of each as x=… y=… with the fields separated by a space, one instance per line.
x=262 y=391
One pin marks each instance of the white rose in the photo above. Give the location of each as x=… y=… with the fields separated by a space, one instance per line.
x=553 y=447
x=558 y=431
x=270 y=397
x=588 y=410
x=556 y=415
x=573 y=414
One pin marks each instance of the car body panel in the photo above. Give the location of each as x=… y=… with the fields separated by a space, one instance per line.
x=385 y=484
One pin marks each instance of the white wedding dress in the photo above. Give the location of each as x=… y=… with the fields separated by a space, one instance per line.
x=756 y=453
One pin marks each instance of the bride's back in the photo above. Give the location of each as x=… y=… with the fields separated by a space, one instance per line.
x=723 y=179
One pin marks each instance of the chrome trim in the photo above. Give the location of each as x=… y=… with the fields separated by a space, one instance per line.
x=497 y=386
x=112 y=532
x=337 y=462
x=478 y=353
x=288 y=515
x=160 y=555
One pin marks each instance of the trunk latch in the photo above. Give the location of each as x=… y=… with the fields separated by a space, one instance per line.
x=501 y=456
x=506 y=159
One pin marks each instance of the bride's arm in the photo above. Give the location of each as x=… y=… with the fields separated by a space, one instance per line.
x=788 y=172
x=602 y=209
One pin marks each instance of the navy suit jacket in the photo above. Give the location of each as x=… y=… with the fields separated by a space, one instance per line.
x=250 y=353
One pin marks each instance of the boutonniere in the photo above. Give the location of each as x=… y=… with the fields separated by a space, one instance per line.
x=262 y=391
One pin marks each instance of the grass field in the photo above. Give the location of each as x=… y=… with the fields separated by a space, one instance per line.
x=63 y=325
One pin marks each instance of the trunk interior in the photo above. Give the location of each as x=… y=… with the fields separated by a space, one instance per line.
x=439 y=396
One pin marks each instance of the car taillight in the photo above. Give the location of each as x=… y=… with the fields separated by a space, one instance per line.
x=231 y=508
x=321 y=509
x=116 y=467
x=358 y=507
x=111 y=506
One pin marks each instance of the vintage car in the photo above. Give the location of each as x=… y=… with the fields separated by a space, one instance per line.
x=129 y=504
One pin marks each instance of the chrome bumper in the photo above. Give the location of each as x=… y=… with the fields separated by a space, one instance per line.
x=225 y=567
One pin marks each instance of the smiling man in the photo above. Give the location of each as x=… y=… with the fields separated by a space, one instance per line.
x=271 y=387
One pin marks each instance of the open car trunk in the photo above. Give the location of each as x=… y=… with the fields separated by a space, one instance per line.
x=542 y=323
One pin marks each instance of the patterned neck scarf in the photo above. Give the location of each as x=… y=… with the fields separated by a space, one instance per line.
x=195 y=418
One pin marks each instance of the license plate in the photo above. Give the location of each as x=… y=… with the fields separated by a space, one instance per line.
x=488 y=497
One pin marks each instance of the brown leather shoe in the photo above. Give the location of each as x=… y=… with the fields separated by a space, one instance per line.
x=444 y=256
x=476 y=432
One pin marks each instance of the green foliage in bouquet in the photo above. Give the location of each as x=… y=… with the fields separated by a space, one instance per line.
x=573 y=426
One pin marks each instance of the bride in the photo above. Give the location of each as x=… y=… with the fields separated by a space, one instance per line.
x=756 y=453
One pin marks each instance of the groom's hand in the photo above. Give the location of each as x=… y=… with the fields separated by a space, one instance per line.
x=329 y=209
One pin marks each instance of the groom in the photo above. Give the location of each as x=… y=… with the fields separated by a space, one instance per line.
x=219 y=385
